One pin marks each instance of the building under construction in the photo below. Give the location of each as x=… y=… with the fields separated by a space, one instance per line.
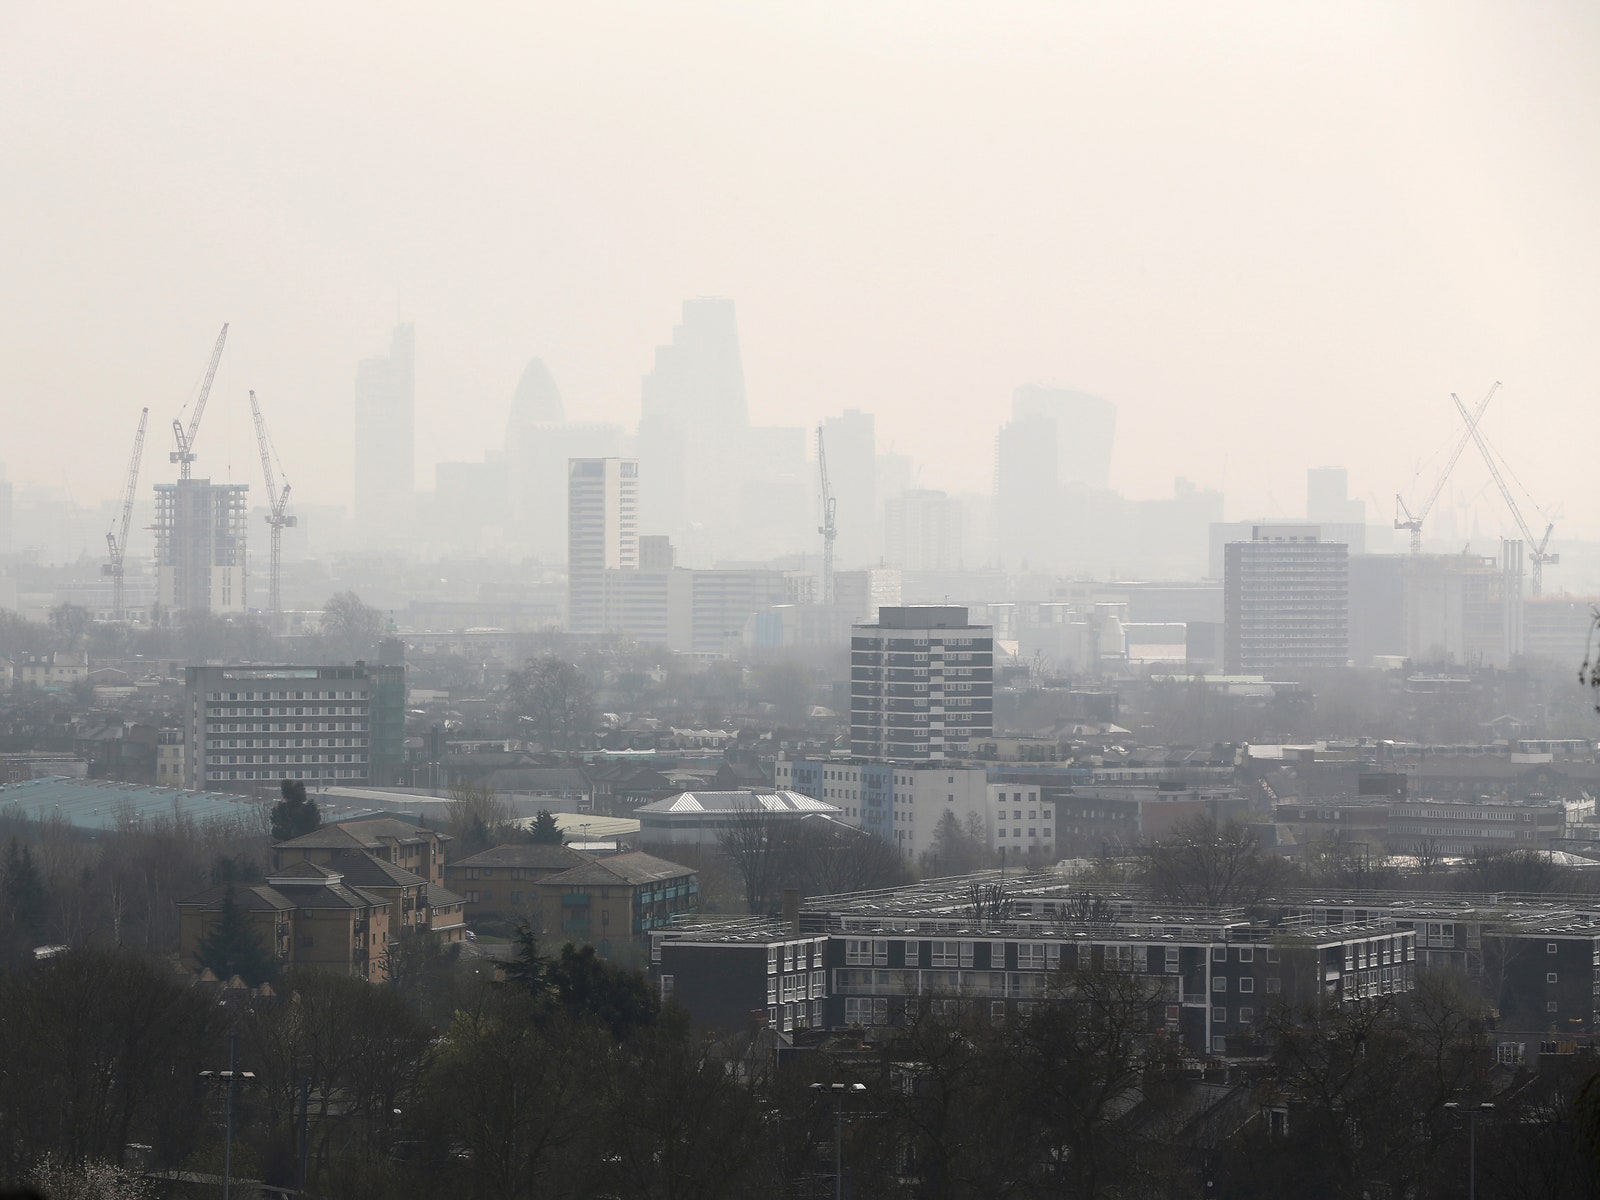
x=200 y=546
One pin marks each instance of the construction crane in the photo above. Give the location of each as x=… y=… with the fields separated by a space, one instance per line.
x=1539 y=554
x=1414 y=523
x=277 y=516
x=828 y=529
x=184 y=454
x=117 y=539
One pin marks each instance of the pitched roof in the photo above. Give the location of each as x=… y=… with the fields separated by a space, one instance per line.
x=439 y=897
x=328 y=837
x=634 y=867
x=524 y=854
x=365 y=871
x=374 y=828
x=743 y=800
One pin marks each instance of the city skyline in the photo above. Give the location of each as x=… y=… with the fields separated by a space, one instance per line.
x=1227 y=225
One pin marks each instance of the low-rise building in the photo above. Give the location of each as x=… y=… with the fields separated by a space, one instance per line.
x=701 y=818
x=615 y=901
x=307 y=915
x=499 y=882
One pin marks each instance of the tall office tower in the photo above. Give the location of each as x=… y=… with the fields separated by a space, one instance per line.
x=1328 y=498
x=602 y=534
x=1086 y=429
x=921 y=684
x=385 y=459
x=922 y=531
x=1285 y=602
x=851 y=443
x=692 y=418
x=200 y=546
x=1027 y=492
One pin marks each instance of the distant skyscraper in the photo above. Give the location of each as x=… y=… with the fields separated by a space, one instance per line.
x=693 y=423
x=539 y=444
x=1285 y=602
x=1027 y=491
x=602 y=533
x=852 y=447
x=923 y=531
x=200 y=546
x=1328 y=498
x=5 y=512
x=921 y=684
x=385 y=450
x=1086 y=429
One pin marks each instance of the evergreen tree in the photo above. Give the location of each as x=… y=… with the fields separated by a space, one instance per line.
x=590 y=988
x=296 y=814
x=234 y=946
x=545 y=831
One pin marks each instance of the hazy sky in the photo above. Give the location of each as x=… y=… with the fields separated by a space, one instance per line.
x=1275 y=235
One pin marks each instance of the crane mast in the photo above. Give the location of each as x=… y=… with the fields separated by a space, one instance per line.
x=184 y=454
x=277 y=516
x=1414 y=523
x=1537 y=548
x=828 y=529
x=117 y=539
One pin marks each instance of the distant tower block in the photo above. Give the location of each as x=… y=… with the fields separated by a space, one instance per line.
x=200 y=546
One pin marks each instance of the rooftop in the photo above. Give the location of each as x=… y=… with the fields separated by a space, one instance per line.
x=103 y=804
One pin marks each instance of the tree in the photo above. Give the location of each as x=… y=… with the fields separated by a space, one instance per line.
x=589 y=988
x=478 y=819
x=234 y=946
x=351 y=629
x=545 y=831
x=552 y=696
x=758 y=844
x=296 y=814
x=22 y=888
x=68 y=625
x=1210 y=865
x=956 y=849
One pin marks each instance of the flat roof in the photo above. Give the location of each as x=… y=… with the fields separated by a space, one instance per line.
x=107 y=804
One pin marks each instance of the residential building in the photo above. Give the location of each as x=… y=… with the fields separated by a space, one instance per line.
x=1094 y=819
x=1546 y=977
x=307 y=915
x=614 y=901
x=1460 y=609
x=602 y=533
x=200 y=546
x=415 y=848
x=53 y=672
x=903 y=803
x=253 y=726
x=1211 y=975
x=385 y=440
x=499 y=882
x=1286 y=598
x=921 y=684
x=923 y=531
x=171 y=759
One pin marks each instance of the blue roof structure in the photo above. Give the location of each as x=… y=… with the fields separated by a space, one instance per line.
x=107 y=804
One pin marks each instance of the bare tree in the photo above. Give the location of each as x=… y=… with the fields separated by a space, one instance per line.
x=1208 y=865
x=552 y=696
x=760 y=846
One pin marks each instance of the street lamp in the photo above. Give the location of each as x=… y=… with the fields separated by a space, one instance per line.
x=1487 y=1110
x=839 y=1091
x=231 y=1075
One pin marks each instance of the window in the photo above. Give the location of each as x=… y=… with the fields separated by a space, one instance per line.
x=1172 y=960
x=1272 y=954
x=666 y=987
x=1247 y=954
x=1030 y=956
x=1549 y=947
x=1219 y=984
x=1550 y=978
x=1246 y=1016
x=966 y=953
x=1219 y=1016
x=1550 y=1006
x=1247 y=984
x=1274 y=987
x=944 y=954
x=1219 y=954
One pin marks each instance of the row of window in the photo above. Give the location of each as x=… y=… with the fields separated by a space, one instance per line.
x=315 y=695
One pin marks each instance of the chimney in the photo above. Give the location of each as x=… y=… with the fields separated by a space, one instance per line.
x=791 y=909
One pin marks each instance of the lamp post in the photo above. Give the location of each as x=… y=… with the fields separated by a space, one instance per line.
x=232 y=1074
x=839 y=1091
x=1486 y=1109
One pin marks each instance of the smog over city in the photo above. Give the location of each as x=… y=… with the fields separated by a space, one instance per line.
x=885 y=599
